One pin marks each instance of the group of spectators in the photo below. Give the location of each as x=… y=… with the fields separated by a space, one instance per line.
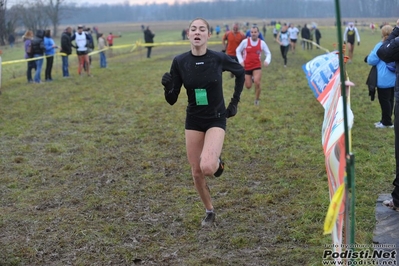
x=42 y=46
x=36 y=47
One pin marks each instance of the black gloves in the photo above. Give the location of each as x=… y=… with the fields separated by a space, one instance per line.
x=232 y=108
x=358 y=43
x=167 y=81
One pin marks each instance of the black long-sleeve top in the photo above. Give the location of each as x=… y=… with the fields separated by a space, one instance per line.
x=204 y=72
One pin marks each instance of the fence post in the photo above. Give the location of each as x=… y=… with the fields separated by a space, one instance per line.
x=0 y=69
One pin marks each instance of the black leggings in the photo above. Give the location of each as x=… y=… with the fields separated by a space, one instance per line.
x=49 y=67
x=284 y=52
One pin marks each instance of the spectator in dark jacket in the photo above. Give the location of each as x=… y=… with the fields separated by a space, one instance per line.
x=11 y=40
x=149 y=38
x=27 y=38
x=38 y=52
x=66 y=50
x=317 y=35
x=393 y=202
x=305 y=35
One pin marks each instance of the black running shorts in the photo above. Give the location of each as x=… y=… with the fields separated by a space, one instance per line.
x=81 y=52
x=202 y=124
x=250 y=72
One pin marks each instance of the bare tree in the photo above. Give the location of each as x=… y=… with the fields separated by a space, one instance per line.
x=32 y=15
x=12 y=19
x=55 y=11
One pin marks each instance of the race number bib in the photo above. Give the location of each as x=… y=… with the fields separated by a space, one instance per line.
x=201 y=97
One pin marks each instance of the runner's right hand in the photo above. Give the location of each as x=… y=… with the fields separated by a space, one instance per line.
x=167 y=81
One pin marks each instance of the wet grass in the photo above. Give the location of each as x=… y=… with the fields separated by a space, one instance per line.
x=94 y=171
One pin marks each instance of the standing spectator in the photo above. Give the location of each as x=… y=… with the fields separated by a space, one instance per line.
x=264 y=29
x=283 y=38
x=50 y=51
x=184 y=34
x=102 y=44
x=96 y=32
x=372 y=27
x=38 y=52
x=293 y=33
x=11 y=40
x=66 y=50
x=148 y=38
x=311 y=37
x=252 y=49
x=349 y=39
x=81 y=40
x=111 y=37
x=317 y=35
x=393 y=203
x=201 y=71
x=305 y=35
x=110 y=40
x=27 y=38
x=217 y=30
x=385 y=82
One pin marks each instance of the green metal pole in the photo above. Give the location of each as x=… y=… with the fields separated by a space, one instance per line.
x=349 y=158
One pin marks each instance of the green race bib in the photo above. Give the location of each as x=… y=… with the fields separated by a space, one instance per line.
x=201 y=97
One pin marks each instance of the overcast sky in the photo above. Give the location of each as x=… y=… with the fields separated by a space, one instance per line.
x=137 y=2
x=110 y=2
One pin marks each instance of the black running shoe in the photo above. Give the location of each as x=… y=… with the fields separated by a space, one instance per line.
x=219 y=172
x=209 y=219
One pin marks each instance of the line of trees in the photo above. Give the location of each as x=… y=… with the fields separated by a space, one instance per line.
x=41 y=14
x=33 y=15
x=227 y=9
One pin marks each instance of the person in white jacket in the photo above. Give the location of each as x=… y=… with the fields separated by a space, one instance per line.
x=249 y=56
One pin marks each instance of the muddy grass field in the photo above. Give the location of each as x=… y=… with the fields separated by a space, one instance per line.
x=94 y=170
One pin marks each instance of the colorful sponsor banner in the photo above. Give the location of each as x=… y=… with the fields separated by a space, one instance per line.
x=323 y=76
x=319 y=72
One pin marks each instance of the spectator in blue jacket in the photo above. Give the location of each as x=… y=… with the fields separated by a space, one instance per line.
x=385 y=82
x=50 y=47
x=217 y=30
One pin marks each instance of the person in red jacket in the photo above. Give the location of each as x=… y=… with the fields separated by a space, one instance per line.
x=111 y=37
